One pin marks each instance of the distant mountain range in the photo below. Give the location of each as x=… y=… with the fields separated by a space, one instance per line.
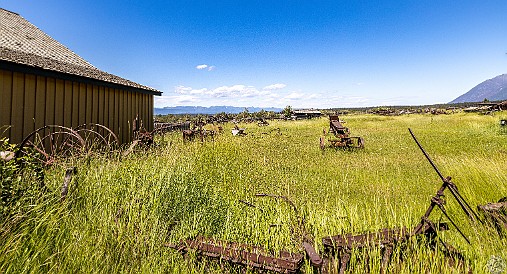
x=493 y=89
x=209 y=110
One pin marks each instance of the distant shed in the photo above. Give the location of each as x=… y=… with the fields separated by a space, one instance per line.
x=44 y=83
x=307 y=113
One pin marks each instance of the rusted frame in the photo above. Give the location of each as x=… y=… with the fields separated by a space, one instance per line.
x=387 y=239
x=496 y=214
x=198 y=130
x=447 y=183
x=242 y=254
x=252 y=256
x=341 y=134
x=69 y=173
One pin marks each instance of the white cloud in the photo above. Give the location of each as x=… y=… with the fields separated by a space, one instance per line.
x=224 y=91
x=189 y=90
x=294 y=96
x=164 y=101
x=241 y=95
x=185 y=99
x=205 y=67
x=275 y=86
x=182 y=89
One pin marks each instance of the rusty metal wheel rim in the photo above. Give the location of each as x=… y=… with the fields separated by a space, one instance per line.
x=48 y=143
x=97 y=137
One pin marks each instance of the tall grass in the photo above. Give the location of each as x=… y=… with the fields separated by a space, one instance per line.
x=121 y=211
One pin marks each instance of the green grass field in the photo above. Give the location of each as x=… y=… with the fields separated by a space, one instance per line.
x=121 y=210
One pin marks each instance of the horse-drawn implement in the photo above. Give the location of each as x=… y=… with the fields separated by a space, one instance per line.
x=340 y=135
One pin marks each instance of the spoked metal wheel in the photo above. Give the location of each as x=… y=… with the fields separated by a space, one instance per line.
x=50 y=143
x=356 y=142
x=97 y=137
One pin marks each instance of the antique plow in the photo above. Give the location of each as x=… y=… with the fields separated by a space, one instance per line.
x=198 y=131
x=242 y=254
x=252 y=256
x=262 y=122
x=340 y=135
x=446 y=184
x=386 y=239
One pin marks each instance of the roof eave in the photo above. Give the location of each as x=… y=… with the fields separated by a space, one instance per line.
x=23 y=68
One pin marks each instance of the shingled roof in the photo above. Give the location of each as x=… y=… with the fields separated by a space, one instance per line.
x=23 y=43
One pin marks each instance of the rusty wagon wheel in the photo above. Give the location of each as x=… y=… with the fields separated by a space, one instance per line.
x=49 y=143
x=360 y=142
x=98 y=137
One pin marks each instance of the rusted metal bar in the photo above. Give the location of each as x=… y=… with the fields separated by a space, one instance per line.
x=385 y=238
x=250 y=205
x=349 y=241
x=315 y=259
x=427 y=156
x=440 y=204
x=382 y=237
x=386 y=257
x=250 y=256
x=447 y=183
x=66 y=181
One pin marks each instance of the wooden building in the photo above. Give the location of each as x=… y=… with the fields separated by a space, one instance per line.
x=44 y=83
x=306 y=114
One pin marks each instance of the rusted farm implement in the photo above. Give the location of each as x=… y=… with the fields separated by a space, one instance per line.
x=252 y=256
x=144 y=138
x=340 y=135
x=98 y=137
x=49 y=143
x=340 y=246
x=237 y=131
x=246 y=255
x=387 y=239
x=262 y=123
x=199 y=131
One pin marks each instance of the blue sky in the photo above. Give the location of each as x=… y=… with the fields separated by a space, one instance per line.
x=317 y=54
